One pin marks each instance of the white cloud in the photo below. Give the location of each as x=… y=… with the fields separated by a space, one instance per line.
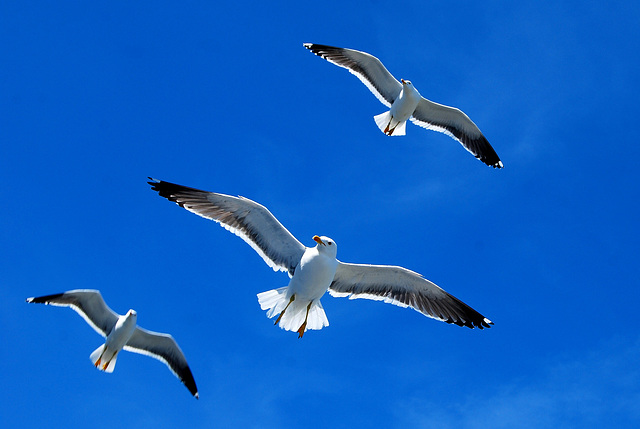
x=599 y=388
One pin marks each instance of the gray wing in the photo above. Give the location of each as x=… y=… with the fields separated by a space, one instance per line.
x=365 y=67
x=87 y=303
x=399 y=286
x=164 y=348
x=247 y=219
x=456 y=124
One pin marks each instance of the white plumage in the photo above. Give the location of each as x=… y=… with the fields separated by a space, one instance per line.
x=406 y=103
x=121 y=332
x=314 y=270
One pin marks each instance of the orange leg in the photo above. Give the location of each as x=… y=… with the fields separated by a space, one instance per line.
x=386 y=130
x=100 y=358
x=304 y=325
x=293 y=298
x=104 y=367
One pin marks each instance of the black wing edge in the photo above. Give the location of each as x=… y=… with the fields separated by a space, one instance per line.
x=44 y=299
x=170 y=190
x=479 y=147
x=475 y=319
x=188 y=380
x=337 y=55
x=323 y=50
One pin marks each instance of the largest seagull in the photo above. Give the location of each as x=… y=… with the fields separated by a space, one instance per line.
x=314 y=270
x=406 y=103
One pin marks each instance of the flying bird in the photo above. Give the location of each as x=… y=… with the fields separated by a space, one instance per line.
x=121 y=332
x=314 y=270
x=406 y=103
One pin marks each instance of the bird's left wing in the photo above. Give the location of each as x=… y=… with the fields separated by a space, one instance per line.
x=164 y=348
x=87 y=303
x=399 y=286
x=365 y=67
x=455 y=123
x=247 y=219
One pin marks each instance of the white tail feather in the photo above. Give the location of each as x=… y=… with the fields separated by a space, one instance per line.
x=385 y=122
x=96 y=354
x=382 y=120
x=105 y=358
x=276 y=300
x=400 y=129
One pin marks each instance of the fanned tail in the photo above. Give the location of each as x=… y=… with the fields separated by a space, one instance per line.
x=104 y=361
x=275 y=302
x=390 y=126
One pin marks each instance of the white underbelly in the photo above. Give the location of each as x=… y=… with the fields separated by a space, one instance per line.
x=403 y=108
x=312 y=278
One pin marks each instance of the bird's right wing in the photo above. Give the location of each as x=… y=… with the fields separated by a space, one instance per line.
x=164 y=348
x=405 y=288
x=247 y=219
x=87 y=303
x=456 y=124
x=365 y=67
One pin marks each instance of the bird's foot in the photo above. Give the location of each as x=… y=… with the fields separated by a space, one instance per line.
x=303 y=327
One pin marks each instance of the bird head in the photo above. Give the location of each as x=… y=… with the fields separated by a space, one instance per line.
x=406 y=82
x=326 y=245
x=132 y=314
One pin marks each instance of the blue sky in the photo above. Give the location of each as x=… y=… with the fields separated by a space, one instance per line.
x=98 y=96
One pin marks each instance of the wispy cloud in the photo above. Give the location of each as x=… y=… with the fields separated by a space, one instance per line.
x=600 y=388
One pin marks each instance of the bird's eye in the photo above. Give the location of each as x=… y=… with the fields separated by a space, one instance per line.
x=330 y=243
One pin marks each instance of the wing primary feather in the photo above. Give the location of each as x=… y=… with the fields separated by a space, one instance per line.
x=406 y=288
x=245 y=218
x=88 y=303
x=164 y=348
x=365 y=67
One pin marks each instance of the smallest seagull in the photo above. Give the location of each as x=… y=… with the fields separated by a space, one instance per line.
x=406 y=103
x=121 y=332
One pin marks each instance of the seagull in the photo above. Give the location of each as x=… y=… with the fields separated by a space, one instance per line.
x=314 y=270
x=406 y=103
x=121 y=332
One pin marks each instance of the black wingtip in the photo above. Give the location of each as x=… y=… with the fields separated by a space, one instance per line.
x=174 y=192
x=322 y=50
x=44 y=299
x=498 y=164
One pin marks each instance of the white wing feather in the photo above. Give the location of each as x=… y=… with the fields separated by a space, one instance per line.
x=405 y=288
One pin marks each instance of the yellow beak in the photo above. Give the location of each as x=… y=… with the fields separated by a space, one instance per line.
x=318 y=240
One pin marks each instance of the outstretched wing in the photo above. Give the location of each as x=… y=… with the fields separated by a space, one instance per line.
x=87 y=303
x=247 y=219
x=365 y=67
x=456 y=124
x=164 y=348
x=399 y=286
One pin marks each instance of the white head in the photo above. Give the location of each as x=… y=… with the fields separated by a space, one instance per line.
x=131 y=314
x=326 y=246
x=408 y=88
